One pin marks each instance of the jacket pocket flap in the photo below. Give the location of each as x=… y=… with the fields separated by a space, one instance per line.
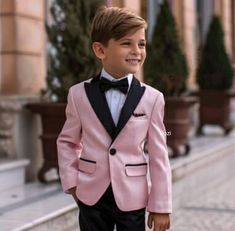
x=87 y=166
x=140 y=170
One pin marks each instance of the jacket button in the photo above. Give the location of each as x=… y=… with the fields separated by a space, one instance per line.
x=112 y=151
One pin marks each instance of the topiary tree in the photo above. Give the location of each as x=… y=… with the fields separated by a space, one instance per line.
x=166 y=67
x=215 y=70
x=70 y=56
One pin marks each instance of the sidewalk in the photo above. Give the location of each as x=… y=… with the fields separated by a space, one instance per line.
x=204 y=201
x=213 y=209
x=204 y=149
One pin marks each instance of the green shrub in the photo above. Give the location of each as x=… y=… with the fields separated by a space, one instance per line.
x=215 y=70
x=70 y=57
x=166 y=67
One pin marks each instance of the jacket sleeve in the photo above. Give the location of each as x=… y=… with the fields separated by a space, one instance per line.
x=160 y=198
x=69 y=146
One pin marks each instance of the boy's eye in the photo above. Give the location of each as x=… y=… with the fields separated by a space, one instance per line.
x=142 y=45
x=126 y=43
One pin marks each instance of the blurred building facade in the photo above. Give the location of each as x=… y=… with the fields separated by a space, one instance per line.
x=23 y=48
x=23 y=39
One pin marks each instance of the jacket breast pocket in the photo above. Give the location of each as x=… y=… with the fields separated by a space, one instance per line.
x=86 y=166
x=136 y=118
x=136 y=170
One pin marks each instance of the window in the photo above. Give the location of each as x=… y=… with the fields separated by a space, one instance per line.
x=205 y=10
x=153 y=7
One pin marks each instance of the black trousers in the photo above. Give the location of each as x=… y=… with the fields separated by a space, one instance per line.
x=105 y=215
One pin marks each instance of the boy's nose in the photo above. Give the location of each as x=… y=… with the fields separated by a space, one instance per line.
x=135 y=50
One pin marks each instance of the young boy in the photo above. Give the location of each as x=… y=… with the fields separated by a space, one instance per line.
x=109 y=118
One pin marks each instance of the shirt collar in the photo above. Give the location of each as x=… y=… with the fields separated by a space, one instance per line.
x=106 y=75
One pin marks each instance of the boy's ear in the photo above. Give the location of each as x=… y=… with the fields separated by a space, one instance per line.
x=98 y=49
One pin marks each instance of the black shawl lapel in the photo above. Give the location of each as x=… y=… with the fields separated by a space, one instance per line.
x=99 y=104
x=134 y=95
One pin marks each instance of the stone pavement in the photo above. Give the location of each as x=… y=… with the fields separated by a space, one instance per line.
x=205 y=200
x=213 y=210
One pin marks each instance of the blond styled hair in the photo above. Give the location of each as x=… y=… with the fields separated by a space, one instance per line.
x=114 y=23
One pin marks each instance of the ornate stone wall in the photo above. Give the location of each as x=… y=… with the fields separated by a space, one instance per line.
x=8 y=110
x=19 y=132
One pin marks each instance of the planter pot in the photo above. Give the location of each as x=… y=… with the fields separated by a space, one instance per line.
x=215 y=109
x=52 y=119
x=177 y=122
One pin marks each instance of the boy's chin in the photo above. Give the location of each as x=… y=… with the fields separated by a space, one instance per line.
x=134 y=71
x=131 y=72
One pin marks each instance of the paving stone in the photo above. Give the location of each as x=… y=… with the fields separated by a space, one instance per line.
x=212 y=209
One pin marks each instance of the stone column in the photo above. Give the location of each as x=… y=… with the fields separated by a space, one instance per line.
x=118 y=3
x=185 y=15
x=22 y=47
x=134 y=5
x=226 y=16
x=189 y=38
x=233 y=32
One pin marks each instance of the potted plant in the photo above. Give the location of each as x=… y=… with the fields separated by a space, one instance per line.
x=215 y=78
x=166 y=69
x=70 y=61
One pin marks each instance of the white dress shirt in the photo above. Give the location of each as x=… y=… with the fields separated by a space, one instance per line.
x=114 y=97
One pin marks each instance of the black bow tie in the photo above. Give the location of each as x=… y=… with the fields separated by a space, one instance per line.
x=121 y=85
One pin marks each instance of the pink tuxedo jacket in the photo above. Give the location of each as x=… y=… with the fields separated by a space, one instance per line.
x=93 y=152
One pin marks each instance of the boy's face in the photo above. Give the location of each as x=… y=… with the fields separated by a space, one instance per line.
x=124 y=56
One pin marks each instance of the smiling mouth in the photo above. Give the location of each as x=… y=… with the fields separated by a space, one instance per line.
x=133 y=61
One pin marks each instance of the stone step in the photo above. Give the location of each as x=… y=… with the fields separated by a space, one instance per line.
x=37 y=207
x=12 y=173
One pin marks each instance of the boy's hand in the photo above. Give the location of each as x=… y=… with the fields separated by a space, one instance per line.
x=72 y=191
x=159 y=221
